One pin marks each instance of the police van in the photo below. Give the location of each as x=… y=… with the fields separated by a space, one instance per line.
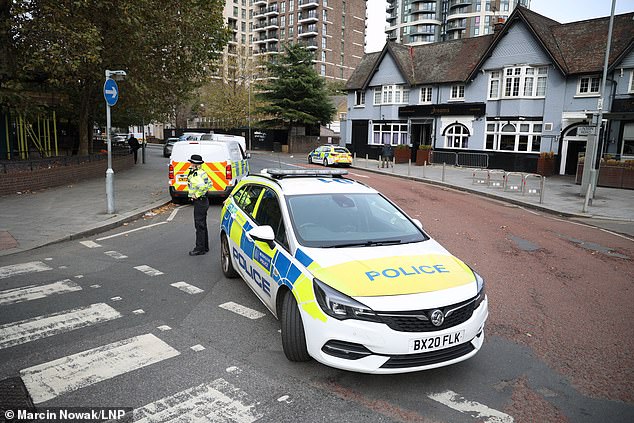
x=225 y=138
x=355 y=282
x=225 y=162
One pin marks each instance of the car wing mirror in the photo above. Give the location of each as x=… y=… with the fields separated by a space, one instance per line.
x=418 y=224
x=263 y=233
x=248 y=155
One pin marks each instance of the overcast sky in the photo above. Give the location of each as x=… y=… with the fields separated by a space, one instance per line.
x=560 y=10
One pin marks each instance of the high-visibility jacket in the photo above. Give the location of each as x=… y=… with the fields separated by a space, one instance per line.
x=198 y=183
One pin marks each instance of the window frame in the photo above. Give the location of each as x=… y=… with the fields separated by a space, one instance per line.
x=590 y=80
x=426 y=91
x=456 y=92
x=532 y=137
x=493 y=78
x=464 y=135
x=515 y=79
x=359 y=98
x=630 y=89
x=388 y=94
x=398 y=130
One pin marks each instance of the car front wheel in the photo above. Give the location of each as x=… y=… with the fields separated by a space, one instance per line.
x=293 y=336
x=326 y=162
x=225 y=258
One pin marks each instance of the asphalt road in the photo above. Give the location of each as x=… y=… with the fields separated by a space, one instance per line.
x=558 y=343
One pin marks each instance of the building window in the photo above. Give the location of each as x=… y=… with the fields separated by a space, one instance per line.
x=283 y=7
x=588 y=85
x=391 y=94
x=393 y=133
x=291 y=5
x=323 y=70
x=517 y=136
x=494 y=85
x=425 y=95
x=457 y=92
x=525 y=81
x=457 y=136
x=631 y=90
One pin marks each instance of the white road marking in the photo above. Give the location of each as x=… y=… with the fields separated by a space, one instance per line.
x=360 y=176
x=173 y=214
x=67 y=374
x=34 y=292
x=233 y=369
x=164 y=328
x=48 y=259
x=218 y=401
x=474 y=409
x=242 y=310
x=198 y=348
x=63 y=267
x=115 y=299
x=150 y=271
x=185 y=287
x=115 y=255
x=139 y=311
x=130 y=231
x=79 y=276
x=95 y=286
x=18 y=269
x=28 y=330
x=90 y=244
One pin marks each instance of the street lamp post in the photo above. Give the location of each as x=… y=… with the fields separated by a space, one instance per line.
x=111 y=96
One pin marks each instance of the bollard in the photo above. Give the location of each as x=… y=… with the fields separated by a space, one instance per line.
x=409 y=165
x=354 y=158
x=424 y=166
x=366 y=161
x=542 y=185
x=443 y=172
x=380 y=161
x=393 y=163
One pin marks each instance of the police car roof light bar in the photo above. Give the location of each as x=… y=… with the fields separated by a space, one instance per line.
x=294 y=173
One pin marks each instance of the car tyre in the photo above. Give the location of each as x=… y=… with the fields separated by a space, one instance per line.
x=293 y=336
x=326 y=162
x=310 y=160
x=225 y=258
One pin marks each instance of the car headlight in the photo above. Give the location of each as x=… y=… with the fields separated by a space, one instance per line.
x=340 y=306
x=481 y=291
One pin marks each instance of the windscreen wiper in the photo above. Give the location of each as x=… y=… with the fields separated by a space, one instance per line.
x=369 y=243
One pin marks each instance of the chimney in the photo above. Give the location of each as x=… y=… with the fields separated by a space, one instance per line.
x=497 y=27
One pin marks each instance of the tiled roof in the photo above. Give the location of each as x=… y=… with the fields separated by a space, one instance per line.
x=576 y=47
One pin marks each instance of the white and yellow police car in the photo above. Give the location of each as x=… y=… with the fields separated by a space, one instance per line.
x=354 y=281
x=330 y=155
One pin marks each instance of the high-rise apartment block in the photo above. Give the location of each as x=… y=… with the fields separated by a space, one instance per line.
x=333 y=29
x=414 y=22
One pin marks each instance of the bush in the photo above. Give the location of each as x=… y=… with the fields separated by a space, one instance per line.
x=424 y=147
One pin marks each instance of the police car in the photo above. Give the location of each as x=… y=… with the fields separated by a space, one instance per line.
x=330 y=155
x=356 y=283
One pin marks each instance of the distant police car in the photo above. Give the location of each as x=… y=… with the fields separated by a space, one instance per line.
x=330 y=155
x=355 y=283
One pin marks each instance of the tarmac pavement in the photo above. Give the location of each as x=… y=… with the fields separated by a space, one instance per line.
x=34 y=219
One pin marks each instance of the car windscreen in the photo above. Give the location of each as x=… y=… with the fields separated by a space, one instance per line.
x=349 y=220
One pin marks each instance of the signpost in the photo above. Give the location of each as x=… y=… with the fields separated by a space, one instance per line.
x=111 y=95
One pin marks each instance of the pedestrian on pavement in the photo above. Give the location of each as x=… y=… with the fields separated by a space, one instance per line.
x=198 y=183
x=387 y=153
x=134 y=146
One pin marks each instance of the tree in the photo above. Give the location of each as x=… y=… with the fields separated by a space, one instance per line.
x=167 y=48
x=295 y=94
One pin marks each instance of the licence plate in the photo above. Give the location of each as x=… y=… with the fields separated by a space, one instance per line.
x=436 y=342
x=182 y=179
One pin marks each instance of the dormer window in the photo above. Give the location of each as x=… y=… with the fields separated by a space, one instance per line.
x=391 y=94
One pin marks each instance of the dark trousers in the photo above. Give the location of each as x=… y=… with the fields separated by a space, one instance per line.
x=200 y=223
x=135 y=151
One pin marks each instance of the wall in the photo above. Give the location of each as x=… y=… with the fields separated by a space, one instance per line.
x=16 y=180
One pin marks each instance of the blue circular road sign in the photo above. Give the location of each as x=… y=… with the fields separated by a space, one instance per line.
x=110 y=91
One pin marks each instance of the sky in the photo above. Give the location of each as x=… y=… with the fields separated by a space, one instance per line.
x=560 y=10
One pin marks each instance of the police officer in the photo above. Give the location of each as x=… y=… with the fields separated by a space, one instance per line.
x=198 y=183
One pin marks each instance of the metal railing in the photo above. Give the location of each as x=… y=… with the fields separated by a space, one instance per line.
x=478 y=160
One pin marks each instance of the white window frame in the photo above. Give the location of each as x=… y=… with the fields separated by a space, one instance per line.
x=359 y=98
x=456 y=93
x=462 y=136
x=391 y=94
x=631 y=86
x=516 y=80
x=494 y=76
x=532 y=135
x=588 y=92
x=425 y=95
x=396 y=132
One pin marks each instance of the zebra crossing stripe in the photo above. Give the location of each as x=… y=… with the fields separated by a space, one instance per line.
x=218 y=401
x=115 y=255
x=17 y=333
x=150 y=271
x=18 y=269
x=185 y=287
x=242 y=310
x=90 y=244
x=34 y=292
x=67 y=374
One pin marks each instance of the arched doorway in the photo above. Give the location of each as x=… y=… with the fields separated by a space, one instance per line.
x=573 y=143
